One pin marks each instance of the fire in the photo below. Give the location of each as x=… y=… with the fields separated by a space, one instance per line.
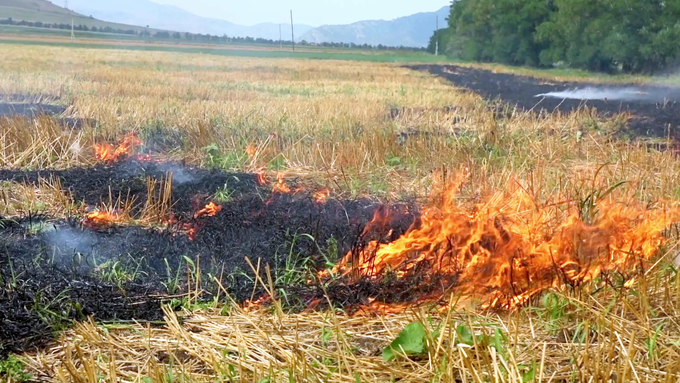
x=281 y=186
x=509 y=248
x=261 y=179
x=210 y=210
x=102 y=219
x=108 y=153
x=251 y=150
x=250 y=306
x=321 y=196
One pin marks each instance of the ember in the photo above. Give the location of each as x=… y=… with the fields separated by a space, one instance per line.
x=108 y=153
x=261 y=178
x=98 y=219
x=321 y=196
x=509 y=248
x=210 y=210
x=281 y=186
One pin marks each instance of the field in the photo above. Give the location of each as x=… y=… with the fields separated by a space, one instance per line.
x=175 y=214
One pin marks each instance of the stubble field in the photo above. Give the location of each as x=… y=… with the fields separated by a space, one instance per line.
x=487 y=242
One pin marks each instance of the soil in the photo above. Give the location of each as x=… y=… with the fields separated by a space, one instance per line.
x=56 y=270
x=657 y=115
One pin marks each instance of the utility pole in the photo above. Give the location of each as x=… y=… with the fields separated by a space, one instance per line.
x=280 y=38
x=292 y=31
x=73 y=35
x=436 y=37
x=65 y=4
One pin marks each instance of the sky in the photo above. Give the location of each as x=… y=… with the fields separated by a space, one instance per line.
x=310 y=12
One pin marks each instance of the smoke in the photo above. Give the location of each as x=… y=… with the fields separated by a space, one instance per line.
x=69 y=245
x=648 y=94
x=180 y=175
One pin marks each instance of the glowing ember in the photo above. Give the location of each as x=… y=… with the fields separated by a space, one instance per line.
x=101 y=219
x=249 y=306
x=108 y=153
x=281 y=186
x=210 y=210
x=321 y=196
x=509 y=248
x=261 y=179
x=251 y=150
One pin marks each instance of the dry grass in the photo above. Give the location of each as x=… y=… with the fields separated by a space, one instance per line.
x=47 y=197
x=617 y=335
x=331 y=121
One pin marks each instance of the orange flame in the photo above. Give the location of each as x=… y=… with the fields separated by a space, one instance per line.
x=251 y=150
x=509 y=249
x=322 y=195
x=107 y=153
x=250 y=306
x=281 y=186
x=261 y=178
x=101 y=219
x=210 y=210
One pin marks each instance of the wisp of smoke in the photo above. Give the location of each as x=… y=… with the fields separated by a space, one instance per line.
x=641 y=94
x=65 y=243
x=179 y=174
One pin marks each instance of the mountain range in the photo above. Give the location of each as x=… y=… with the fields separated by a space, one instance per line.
x=168 y=17
x=411 y=31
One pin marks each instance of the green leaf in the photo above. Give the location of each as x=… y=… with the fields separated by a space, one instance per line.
x=529 y=374
x=499 y=340
x=465 y=335
x=411 y=341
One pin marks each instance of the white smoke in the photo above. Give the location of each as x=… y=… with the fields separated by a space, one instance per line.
x=179 y=174
x=590 y=93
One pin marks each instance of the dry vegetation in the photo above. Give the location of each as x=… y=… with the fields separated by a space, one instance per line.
x=360 y=129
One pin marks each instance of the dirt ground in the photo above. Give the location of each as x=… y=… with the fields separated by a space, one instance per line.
x=656 y=116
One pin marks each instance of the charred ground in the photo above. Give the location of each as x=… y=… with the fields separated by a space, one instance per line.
x=649 y=118
x=55 y=270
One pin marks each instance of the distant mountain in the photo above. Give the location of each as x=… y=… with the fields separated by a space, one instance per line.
x=168 y=17
x=409 y=31
x=46 y=12
x=37 y=6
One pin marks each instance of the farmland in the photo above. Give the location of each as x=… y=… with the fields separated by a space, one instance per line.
x=181 y=213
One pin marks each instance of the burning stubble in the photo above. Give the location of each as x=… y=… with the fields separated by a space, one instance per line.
x=510 y=248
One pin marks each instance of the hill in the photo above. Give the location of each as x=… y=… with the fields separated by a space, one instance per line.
x=168 y=17
x=47 y=12
x=409 y=31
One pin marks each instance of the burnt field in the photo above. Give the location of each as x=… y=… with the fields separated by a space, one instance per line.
x=655 y=110
x=55 y=270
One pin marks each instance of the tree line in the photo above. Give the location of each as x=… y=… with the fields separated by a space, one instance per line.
x=198 y=37
x=602 y=35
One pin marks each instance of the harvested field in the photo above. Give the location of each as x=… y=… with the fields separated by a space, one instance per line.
x=231 y=219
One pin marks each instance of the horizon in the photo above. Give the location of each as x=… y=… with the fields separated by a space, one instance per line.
x=335 y=12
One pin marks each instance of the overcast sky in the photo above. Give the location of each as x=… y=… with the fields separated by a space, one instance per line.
x=311 y=12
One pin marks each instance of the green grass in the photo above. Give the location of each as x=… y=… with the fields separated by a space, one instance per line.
x=388 y=56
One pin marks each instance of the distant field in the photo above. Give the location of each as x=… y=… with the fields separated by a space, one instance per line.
x=97 y=41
